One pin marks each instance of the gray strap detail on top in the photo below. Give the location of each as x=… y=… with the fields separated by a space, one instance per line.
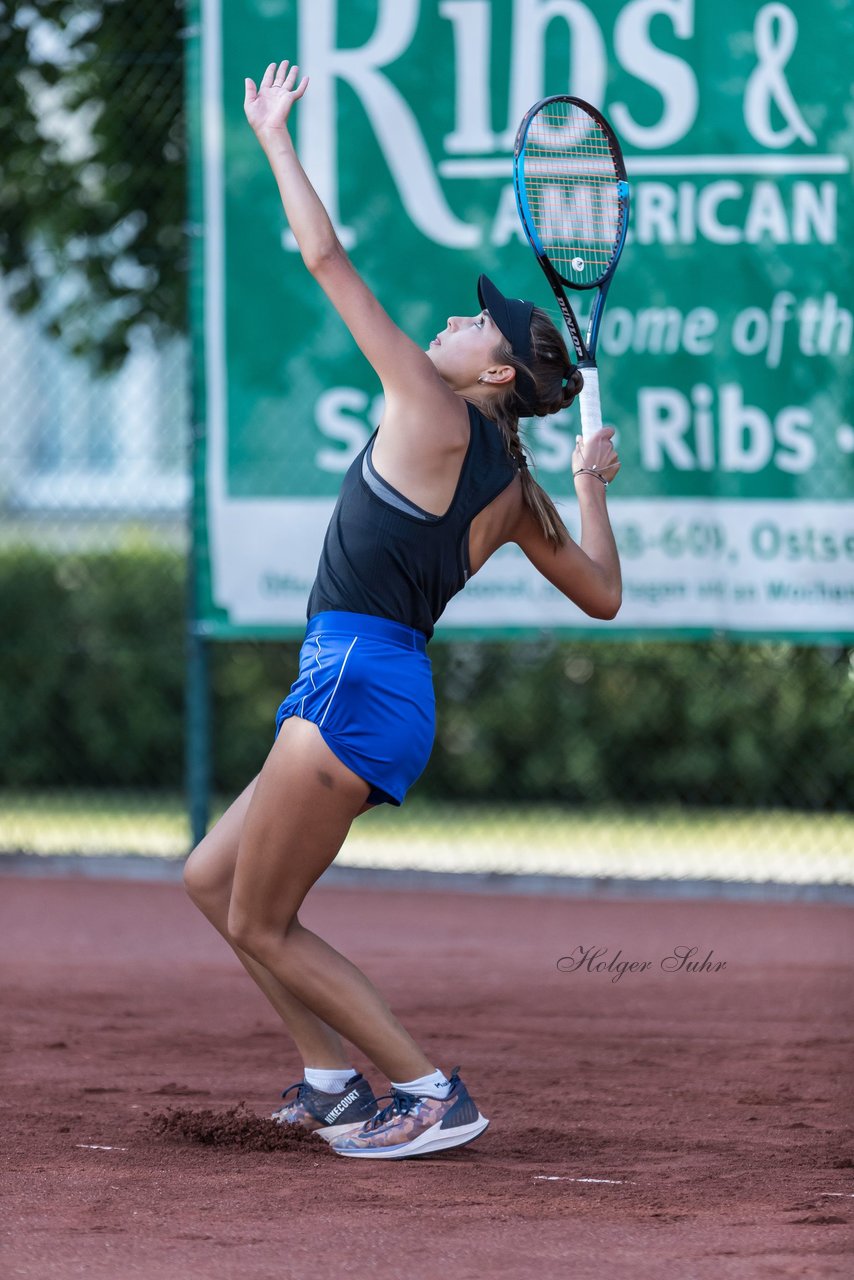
x=390 y=496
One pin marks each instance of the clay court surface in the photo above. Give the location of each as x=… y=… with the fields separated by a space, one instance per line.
x=665 y=1125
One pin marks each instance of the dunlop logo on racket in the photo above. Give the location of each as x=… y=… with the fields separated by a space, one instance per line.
x=573 y=201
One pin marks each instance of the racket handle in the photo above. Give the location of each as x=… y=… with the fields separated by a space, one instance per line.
x=591 y=408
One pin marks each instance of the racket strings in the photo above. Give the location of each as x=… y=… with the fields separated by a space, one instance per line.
x=571 y=185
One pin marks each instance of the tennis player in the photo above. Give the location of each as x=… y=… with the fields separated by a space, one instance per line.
x=442 y=483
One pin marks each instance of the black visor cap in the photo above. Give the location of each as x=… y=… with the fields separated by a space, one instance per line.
x=512 y=317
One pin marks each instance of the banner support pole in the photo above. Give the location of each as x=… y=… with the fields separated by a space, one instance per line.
x=197 y=762
x=197 y=701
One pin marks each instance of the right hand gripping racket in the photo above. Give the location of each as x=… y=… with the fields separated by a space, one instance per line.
x=573 y=201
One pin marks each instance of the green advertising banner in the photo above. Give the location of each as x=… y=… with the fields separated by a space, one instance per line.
x=725 y=353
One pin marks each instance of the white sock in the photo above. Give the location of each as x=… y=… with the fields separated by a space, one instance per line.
x=327 y=1080
x=436 y=1085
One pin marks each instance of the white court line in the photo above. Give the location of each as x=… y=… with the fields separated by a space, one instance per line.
x=553 y=1177
x=94 y=1146
x=847 y=1194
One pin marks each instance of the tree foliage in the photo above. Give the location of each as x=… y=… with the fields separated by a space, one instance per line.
x=92 y=140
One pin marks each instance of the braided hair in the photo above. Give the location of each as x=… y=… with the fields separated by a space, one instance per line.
x=557 y=382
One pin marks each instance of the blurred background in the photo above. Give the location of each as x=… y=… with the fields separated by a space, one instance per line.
x=565 y=753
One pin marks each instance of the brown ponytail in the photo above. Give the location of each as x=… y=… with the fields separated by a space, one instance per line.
x=557 y=382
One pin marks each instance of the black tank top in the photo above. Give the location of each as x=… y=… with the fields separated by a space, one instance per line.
x=385 y=556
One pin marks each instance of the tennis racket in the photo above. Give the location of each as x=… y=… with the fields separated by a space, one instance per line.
x=573 y=201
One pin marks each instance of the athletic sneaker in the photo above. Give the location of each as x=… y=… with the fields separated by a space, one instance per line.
x=329 y=1115
x=415 y=1125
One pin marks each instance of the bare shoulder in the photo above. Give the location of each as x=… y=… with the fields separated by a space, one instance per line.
x=426 y=417
x=420 y=450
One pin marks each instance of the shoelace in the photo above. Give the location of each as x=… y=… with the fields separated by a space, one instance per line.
x=300 y=1087
x=402 y=1103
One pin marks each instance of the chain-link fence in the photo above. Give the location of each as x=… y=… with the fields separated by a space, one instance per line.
x=643 y=760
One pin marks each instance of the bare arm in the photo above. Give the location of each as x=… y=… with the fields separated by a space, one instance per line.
x=407 y=375
x=589 y=573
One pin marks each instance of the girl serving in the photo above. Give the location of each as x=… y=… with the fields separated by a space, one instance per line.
x=440 y=486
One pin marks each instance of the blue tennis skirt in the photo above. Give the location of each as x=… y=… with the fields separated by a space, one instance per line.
x=367 y=684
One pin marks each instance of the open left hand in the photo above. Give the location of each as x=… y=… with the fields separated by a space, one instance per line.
x=597 y=454
x=268 y=107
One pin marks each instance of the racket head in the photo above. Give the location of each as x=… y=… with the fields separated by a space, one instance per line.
x=571 y=190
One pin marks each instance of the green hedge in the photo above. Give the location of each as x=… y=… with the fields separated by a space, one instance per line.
x=92 y=673
x=92 y=694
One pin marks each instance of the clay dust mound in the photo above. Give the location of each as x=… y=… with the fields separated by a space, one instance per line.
x=237 y=1128
x=618 y=1145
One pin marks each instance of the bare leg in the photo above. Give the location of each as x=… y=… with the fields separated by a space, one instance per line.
x=298 y=816
x=208 y=876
